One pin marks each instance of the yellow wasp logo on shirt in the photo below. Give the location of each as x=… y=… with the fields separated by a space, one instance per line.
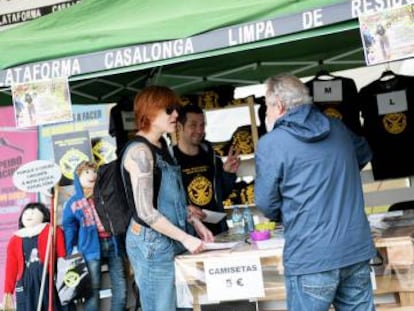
x=333 y=113
x=395 y=123
x=200 y=191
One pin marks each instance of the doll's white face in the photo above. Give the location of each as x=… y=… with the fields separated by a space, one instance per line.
x=32 y=217
x=87 y=178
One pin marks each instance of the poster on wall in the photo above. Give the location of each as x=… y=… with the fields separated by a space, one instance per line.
x=69 y=150
x=103 y=149
x=91 y=118
x=43 y=102
x=388 y=34
x=17 y=147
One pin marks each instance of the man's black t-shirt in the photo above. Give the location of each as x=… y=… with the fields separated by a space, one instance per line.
x=198 y=179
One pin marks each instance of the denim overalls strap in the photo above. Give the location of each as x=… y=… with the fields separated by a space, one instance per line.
x=171 y=203
x=171 y=197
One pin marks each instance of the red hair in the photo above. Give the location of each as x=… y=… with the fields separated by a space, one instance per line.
x=149 y=102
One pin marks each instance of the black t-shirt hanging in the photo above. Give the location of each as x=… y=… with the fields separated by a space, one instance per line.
x=388 y=113
x=337 y=98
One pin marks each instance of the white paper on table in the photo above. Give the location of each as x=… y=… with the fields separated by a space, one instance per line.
x=271 y=243
x=213 y=217
x=220 y=245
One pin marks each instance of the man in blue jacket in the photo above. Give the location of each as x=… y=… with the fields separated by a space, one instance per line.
x=308 y=170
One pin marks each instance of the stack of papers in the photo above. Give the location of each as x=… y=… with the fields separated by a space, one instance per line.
x=270 y=243
x=213 y=217
x=220 y=245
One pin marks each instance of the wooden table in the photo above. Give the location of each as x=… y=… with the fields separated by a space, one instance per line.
x=190 y=276
x=397 y=276
x=396 y=246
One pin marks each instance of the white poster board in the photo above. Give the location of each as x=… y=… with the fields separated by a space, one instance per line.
x=42 y=102
x=37 y=176
x=388 y=35
x=233 y=278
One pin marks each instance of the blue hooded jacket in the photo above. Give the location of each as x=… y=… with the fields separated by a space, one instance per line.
x=80 y=229
x=307 y=169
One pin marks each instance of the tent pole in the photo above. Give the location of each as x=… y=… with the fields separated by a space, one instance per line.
x=44 y=273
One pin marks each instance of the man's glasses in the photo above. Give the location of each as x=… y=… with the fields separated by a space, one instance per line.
x=170 y=108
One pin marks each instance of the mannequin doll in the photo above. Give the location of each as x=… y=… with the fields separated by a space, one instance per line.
x=25 y=261
x=84 y=231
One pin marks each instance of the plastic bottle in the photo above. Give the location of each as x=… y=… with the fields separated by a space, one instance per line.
x=248 y=220
x=237 y=219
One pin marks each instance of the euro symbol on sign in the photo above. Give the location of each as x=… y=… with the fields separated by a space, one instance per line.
x=240 y=282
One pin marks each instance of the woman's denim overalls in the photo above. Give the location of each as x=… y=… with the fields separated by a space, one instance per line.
x=152 y=254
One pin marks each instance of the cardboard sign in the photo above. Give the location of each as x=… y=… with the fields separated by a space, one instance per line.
x=128 y=120
x=233 y=278
x=36 y=176
x=327 y=91
x=392 y=102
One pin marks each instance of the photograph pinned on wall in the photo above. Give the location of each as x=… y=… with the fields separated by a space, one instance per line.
x=42 y=102
x=388 y=35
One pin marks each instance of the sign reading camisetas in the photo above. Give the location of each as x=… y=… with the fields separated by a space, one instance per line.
x=18 y=11
x=233 y=279
x=217 y=39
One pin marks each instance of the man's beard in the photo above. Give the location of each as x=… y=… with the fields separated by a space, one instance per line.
x=197 y=140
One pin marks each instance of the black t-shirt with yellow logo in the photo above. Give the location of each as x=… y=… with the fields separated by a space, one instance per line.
x=388 y=113
x=337 y=98
x=198 y=179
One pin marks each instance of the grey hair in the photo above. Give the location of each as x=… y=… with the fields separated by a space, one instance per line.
x=289 y=89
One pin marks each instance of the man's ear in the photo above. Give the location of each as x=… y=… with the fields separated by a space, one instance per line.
x=281 y=108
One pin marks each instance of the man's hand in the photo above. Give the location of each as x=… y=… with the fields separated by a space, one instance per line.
x=232 y=162
x=194 y=211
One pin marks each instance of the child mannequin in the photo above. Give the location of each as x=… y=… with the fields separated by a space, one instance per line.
x=83 y=229
x=25 y=261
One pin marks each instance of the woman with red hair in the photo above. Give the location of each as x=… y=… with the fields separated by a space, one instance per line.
x=160 y=227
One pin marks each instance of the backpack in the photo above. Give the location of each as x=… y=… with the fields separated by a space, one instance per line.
x=111 y=195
